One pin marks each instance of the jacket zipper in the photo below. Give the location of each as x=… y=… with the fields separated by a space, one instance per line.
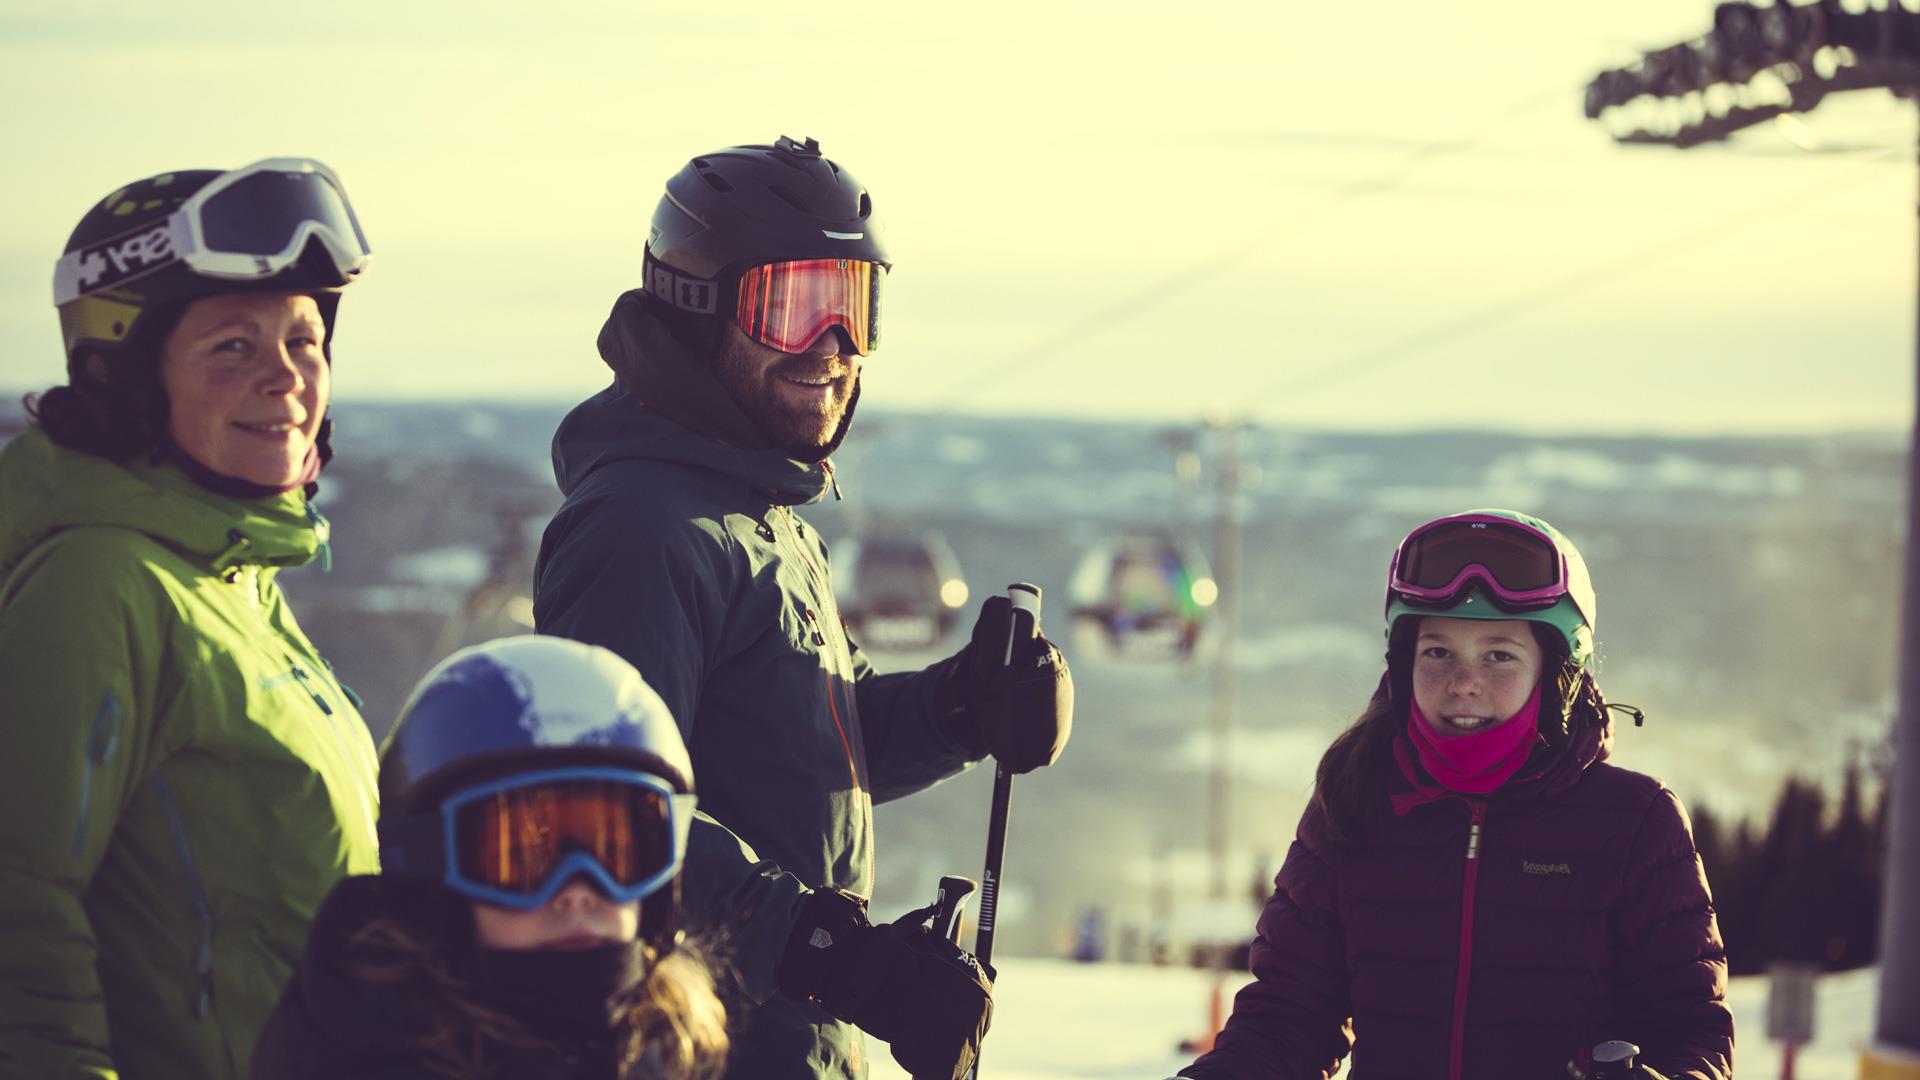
x=323 y=532
x=1457 y=1052
x=196 y=892
x=353 y=753
x=307 y=682
x=100 y=745
x=824 y=636
x=821 y=634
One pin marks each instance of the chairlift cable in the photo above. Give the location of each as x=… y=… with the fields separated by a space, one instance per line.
x=1058 y=344
x=1407 y=346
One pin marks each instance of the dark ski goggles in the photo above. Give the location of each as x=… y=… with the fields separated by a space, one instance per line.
x=788 y=305
x=1522 y=568
x=516 y=842
x=249 y=224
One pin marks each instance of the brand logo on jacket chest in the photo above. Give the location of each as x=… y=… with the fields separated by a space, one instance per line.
x=1538 y=868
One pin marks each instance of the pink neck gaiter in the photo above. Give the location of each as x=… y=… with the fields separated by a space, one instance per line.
x=1476 y=764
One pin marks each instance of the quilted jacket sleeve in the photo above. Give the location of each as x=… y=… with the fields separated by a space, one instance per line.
x=1671 y=975
x=1290 y=1023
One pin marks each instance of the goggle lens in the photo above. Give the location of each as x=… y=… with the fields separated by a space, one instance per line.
x=788 y=305
x=1520 y=561
x=512 y=840
x=261 y=213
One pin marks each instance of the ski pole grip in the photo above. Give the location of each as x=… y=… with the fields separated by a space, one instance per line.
x=1023 y=597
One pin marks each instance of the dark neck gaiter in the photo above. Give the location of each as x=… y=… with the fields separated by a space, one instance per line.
x=232 y=486
x=561 y=995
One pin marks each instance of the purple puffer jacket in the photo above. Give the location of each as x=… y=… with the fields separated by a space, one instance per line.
x=1488 y=938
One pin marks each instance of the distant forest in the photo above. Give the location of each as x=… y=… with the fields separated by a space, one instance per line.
x=1807 y=887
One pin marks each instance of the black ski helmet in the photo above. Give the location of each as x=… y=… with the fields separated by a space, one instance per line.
x=522 y=704
x=747 y=205
x=131 y=316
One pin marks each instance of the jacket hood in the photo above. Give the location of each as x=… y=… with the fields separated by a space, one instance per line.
x=354 y=1018
x=658 y=368
x=367 y=1001
x=658 y=375
x=46 y=487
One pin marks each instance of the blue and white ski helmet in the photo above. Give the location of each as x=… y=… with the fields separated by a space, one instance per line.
x=521 y=703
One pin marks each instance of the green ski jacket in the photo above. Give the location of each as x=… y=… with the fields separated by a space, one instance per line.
x=181 y=777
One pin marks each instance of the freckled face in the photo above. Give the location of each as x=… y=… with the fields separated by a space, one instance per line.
x=247 y=384
x=1473 y=674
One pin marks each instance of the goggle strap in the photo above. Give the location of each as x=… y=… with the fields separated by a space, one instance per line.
x=684 y=291
x=119 y=259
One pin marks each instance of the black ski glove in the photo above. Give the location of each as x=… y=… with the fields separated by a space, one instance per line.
x=929 y=1000
x=1022 y=712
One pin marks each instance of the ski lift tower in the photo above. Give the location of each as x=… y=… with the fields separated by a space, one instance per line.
x=1755 y=64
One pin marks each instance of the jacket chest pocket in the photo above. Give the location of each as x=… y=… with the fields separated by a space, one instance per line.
x=812 y=616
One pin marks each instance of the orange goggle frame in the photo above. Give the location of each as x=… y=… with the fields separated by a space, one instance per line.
x=788 y=305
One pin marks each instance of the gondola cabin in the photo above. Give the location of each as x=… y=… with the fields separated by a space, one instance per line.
x=1144 y=596
x=898 y=592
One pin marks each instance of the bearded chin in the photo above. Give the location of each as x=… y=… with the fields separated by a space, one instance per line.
x=817 y=452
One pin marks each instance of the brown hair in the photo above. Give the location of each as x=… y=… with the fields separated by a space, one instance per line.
x=1350 y=784
x=671 y=1020
x=112 y=405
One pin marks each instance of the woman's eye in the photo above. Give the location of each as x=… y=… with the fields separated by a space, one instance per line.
x=233 y=345
x=1435 y=652
x=1499 y=656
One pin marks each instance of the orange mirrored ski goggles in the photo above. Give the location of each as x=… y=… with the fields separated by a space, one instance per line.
x=788 y=305
x=516 y=842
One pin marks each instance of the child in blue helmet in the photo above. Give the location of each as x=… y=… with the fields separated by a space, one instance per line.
x=1474 y=891
x=536 y=798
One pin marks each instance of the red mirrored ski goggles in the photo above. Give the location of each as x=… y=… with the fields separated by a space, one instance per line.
x=788 y=305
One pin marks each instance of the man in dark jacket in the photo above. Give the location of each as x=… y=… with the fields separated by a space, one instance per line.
x=737 y=367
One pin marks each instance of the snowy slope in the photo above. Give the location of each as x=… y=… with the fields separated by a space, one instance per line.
x=1057 y=1020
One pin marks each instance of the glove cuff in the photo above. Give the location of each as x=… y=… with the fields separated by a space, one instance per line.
x=832 y=924
x=955 y=706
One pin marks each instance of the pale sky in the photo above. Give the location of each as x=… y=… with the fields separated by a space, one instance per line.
x=1373 y=215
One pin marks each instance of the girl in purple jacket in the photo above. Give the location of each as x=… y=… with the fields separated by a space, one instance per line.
x=1473 y=892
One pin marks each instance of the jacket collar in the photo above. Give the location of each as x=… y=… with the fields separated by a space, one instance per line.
x=47 y=487
x=1548 y=770
x=666 y=404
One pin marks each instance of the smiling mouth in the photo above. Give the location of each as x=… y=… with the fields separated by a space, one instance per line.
x=1468 y=723
x=273 y=429
x=815 y=381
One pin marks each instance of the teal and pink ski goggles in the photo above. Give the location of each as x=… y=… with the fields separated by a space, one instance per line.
x=1521 y=567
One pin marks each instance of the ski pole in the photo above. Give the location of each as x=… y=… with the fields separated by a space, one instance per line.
x=1025 y=598
x=950 y=906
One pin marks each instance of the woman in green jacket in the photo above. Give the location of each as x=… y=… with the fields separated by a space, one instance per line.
x=181 y=777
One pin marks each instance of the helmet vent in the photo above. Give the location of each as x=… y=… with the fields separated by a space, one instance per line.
x=717 y=182
x=788 y=196
x=866 y=205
